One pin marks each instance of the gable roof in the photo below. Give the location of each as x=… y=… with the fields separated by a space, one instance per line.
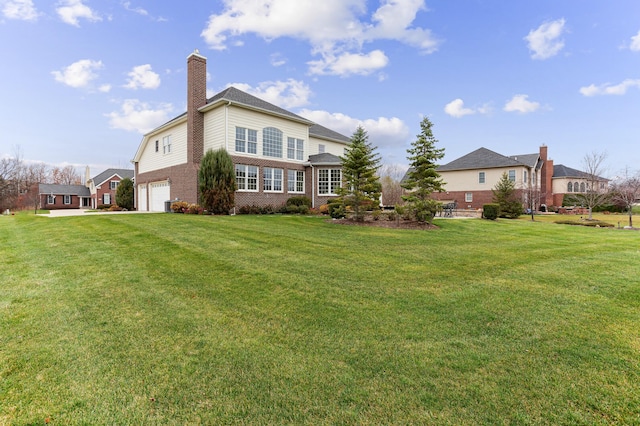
x=55 y=189
x=562 y=171
x=529 y=160
x=325 y=159
x=481 y=158
x=109 y=173
x=324 y=133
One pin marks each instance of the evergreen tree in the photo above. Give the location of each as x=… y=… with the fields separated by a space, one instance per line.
x=361 y=185
x=504 y=194
x=423 y=179
x=217 y=182
x=124 y=194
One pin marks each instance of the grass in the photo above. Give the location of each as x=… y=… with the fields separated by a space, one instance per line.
x=618 y=220
x=181 y=319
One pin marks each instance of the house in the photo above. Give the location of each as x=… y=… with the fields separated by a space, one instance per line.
x=54 y=196
x=470 y=179
x=103 y=187
x=276 y=153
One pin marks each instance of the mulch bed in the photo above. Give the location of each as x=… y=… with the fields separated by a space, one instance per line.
x=394 y=224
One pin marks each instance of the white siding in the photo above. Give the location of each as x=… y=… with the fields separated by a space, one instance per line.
x=468 y=180
x=214 y=134
x=334 y=148
x=151 y=160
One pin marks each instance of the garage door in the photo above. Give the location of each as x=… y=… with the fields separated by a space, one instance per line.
x=142 y=198
x=160 y=192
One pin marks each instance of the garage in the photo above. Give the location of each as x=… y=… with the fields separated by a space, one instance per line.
x=160 y=192
x=142 y=198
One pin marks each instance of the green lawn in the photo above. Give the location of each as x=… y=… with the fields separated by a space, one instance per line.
x=181 y=319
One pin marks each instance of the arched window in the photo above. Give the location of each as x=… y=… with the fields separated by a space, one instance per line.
x=570 y=187
x=583 y=187
x=271 y=142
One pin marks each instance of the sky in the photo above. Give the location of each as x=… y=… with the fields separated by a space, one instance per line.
x=82 y=80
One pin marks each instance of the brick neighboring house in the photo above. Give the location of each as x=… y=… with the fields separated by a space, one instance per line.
x=276 y=153
x=103 y=186
x=53 y=196
x=571 y=181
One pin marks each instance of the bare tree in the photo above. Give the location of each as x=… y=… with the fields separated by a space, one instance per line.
x=32 y=175
x=65 y=176
x=531 y=196
x=10 y=170
x=626 y=191
x=597 y=191
x=390 y=178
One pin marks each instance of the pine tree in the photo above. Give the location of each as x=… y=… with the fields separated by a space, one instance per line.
x=361 y=185
x=504 y=194
x=423 y=179
x=217 y=182
x=124 y=194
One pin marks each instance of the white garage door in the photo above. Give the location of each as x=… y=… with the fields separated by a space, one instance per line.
x=160 y=192
x=142 y=198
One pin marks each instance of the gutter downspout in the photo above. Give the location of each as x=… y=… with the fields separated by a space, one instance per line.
x=313 y=185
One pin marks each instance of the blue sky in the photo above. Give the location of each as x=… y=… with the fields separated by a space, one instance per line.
x=83 y=80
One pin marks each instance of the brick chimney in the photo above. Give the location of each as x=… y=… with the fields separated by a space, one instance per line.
x=546 y=186
x=196 y=98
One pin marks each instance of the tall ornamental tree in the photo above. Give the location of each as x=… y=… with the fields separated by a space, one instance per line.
x=626 y=191
x=124 y=194
x=361 y=185
x=505 y=195
x=217 y=182
x=597 y=192
x=423 y=179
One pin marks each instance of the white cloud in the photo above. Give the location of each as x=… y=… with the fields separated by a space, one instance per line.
x=349 y=63
x=608 y=89
x=519 y=103
x=635 y=42
x=138 y=10
x=335 y=29
x=456 y=108
x=383 y=132
x=79 y=74
x=23 y=10
x=137 y=116
x=286 y=94
x=277 y=59
x=142 y=77
x=70 y=11
x=545 y=41
x=105 y=88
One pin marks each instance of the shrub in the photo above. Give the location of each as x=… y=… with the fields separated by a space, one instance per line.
x=376 y=214
x=391 y=216
x=179 y=206
x=124 y=194
x=491 y=211
x=324 y=209
x=103 y=206
x=337 y=210
x=299 y=201
x=115 y=208
x=193 y=209
x=592 y=223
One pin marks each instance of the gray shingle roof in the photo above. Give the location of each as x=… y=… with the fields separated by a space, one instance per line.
x=529 y=160
x=102 y=177
x=324 y=133
x=561 y=171
x=324 y=159
x=481 y=158
x=79 y=190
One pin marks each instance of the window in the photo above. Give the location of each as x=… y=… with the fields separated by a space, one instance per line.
x=67 y=199
x=576 y=187
x=295 y=181
x=272 y=179
x=512 y=175
x=106 y=199
x=51 y=199
x=271 y=142
x=468 y=197
x=166 y=145
x=246 y=177
x=157 y=146
x=246 y=140
x=321 y=148
x=295 y=149
x=329 y=180
x=583 y=187
x=570 y=187
x=481 y=177
x=113 y=184
x=525 y=177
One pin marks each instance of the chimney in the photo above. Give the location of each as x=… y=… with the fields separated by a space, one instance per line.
x=196 y=98
x=546 y=186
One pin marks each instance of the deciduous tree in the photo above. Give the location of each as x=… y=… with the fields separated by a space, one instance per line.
x=626 y=191
x=597 y=192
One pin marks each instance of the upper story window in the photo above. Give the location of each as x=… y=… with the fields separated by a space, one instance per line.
x=157 y=146
x=321 y=148
x=271 y=142
x=570 y=187
x=512 y=175
x=576 y=187
x=295 y=149
x=166 y=144
x=246 y=140
x=113 y=184
x=583 y=187
x=481 y=177
x=525 y=177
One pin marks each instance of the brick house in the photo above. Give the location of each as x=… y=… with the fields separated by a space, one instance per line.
x=53 y=196
x=276 y=153
x=103 y=186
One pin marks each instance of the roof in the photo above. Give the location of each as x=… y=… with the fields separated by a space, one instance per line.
x=562 y=171
x=109 y=173
x=324 y=133
x=325 y=159
x=483 y=158
x=529 y=160
x=55 y=189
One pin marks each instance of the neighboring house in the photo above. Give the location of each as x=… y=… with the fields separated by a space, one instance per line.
x=53 y=196
x=103 y=187
x=276 y=153
x=571 y=181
